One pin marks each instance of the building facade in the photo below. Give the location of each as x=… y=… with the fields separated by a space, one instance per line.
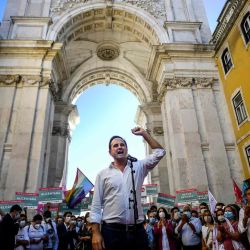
x=52 y=50
x=232 y=43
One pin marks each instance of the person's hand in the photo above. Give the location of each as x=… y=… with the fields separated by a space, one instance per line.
x=97 y=241
x=184 y=218
x=138 y=131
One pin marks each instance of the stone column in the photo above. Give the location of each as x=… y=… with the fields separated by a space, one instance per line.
x=185 y=153
x=154 y=125
x=25 y=135
x=60 y=143
x=197 y=150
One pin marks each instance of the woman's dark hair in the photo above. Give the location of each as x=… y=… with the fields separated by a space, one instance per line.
x=234 y=210
x=167 y=216
x=208 y=211
x=47 y=214
x=37 y=217
x=114 y=137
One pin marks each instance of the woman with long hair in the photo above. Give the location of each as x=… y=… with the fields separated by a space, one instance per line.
x=228 y=234
x=164 y=232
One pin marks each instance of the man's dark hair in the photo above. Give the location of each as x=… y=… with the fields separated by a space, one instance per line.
x=67 y=213
x=174 y=208
x=15 y=208
x=194 y=212
x=153 y=207
x=203 y=204
x=114 y=137
x=220 y=204
x=37 y=217
x=47 y=214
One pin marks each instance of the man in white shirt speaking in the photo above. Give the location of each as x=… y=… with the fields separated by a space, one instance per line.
x=113 y=207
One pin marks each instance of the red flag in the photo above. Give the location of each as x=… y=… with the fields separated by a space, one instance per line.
x=237 y=193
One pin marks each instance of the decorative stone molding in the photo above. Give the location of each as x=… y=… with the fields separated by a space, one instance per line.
x=154 y=7
x=158 y=131
x=184 y=82
x=8 y=80
x=203 y=82
x=107 y=51
x=61 y=131
x=107 y=77
x=30 y=80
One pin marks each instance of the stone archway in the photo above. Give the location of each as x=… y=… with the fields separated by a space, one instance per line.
x=159 y=50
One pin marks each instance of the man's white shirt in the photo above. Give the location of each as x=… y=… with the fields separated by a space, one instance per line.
x=113 y=190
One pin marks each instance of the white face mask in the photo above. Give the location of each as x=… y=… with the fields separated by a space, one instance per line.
x=207 y=219
x=48 y=220
x=88 y=219
x=203 y=210
x=162 y=215
x=221 y=218
x=22 y=223
x=37 y=226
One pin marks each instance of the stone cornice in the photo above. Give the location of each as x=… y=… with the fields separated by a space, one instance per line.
x=183 y=82
x=172 y=51
x=226 y=21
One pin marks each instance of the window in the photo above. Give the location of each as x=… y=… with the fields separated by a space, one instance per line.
x=245 y=27
x=248 y=154
x=226 y=60
x=239 y=108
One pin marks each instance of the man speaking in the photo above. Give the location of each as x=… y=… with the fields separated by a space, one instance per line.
x=116 y=217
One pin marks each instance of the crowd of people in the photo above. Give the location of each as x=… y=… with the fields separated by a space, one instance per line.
x=66 y=232
x=227 y=227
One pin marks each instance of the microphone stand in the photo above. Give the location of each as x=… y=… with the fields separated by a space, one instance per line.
x=133 y=191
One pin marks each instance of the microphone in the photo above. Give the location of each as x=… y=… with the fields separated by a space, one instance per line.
x=131 y=158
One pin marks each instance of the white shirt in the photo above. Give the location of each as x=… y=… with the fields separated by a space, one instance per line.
x=37 y=234
x=207 y=235
x=165 y=243
x=113 y=190
x=22 y=235
x=241 y=228
x=189 y=238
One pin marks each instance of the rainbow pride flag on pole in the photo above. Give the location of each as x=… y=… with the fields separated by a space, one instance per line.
x=80 y=189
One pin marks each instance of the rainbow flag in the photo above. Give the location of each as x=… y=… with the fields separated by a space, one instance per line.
x=80 y=189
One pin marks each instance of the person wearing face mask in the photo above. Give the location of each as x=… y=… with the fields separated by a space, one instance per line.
x=85 y=235
x=163 y=231
x=79 y=223
x=37 y=233
x=228 y=233
x=202 y=208
x=22 y=238
x=175 y=218
x=9 y=227
x=51 y=231
x=149 y=227
x=209 y=239
x=190 y=230
x=67 y=232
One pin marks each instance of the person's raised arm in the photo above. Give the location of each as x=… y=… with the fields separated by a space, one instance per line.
x=147 y=137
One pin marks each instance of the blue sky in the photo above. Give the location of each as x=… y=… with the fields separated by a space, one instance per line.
x=106 y=111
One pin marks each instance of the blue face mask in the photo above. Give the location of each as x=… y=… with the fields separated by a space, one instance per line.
x=152 y=221
x=188 y=214
x=229 y=215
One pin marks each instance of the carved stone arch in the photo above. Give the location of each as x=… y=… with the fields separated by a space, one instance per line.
x=138 y=16
x=106 y=76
